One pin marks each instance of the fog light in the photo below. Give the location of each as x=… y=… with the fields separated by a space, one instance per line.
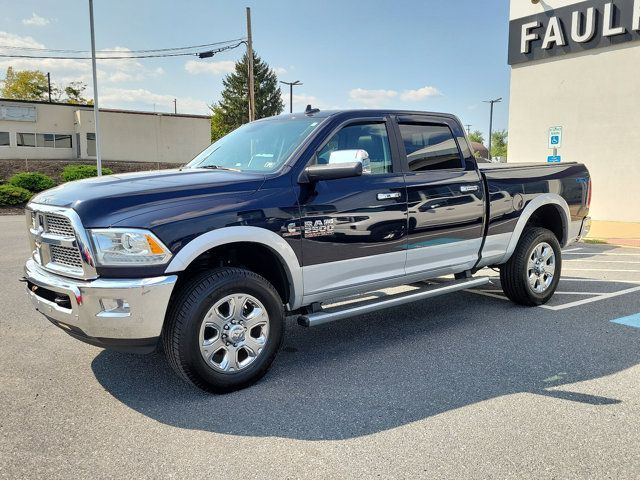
x=114 y=305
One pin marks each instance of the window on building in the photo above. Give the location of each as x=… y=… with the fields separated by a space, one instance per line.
x=63 y=141
x=26 y=139
x=4 y=139
x=45 y=140
x=371 y=137
x=430 y=147
x=91 y=144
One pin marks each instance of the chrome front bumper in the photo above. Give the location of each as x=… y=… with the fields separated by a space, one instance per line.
x=88 y=314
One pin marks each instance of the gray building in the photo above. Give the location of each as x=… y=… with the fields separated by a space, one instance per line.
x=42 y=130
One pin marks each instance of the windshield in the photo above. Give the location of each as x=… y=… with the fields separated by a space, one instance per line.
x=260 y=146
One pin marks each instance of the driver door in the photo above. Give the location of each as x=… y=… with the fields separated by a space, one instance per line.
x=354 y=229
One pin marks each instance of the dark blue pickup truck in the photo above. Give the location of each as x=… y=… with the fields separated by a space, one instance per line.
x=279 y=218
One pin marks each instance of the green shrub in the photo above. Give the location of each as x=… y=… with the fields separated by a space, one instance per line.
x=78 y=172
x=32 y=181
x=12 y=195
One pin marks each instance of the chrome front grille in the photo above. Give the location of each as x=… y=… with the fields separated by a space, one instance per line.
x=59 y=241
x=58 y=225
x=69 y=256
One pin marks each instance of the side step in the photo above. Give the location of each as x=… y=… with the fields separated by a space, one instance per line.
x=318 y=318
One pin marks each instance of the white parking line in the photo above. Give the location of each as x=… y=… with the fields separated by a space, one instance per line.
x=605 y=296
x=599 y=270
x=605 y=254
x=600 y=261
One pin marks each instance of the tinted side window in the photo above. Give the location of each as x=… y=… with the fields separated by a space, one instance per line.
x=371 y=137
x=430 y=147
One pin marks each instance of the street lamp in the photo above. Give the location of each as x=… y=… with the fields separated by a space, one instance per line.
x=291 y=84
x=497 y=100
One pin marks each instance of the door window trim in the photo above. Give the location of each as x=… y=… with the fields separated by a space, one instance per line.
x=396 y=162
x=424 y=120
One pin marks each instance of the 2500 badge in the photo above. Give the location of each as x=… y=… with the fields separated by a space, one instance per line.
x=311 y=228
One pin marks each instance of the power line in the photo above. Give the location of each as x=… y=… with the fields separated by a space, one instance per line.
x=155 y=50
x=125 y=57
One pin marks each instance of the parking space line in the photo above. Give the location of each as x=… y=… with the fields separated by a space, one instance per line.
x=604 y=296
x=569 y=252
x=608 y=280
x=601 y=261
x=599 y=270
x=630 y=321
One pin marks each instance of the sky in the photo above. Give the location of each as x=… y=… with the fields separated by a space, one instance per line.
x=429 y=55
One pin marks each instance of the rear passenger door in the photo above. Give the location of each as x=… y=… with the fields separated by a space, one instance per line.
x=445 y=195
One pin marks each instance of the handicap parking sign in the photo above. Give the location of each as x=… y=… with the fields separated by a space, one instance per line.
x=554 y=159
x=555 y=137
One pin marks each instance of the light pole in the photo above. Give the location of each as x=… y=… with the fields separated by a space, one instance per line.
x=96 y=111
x=497 y=100
x=291 y=84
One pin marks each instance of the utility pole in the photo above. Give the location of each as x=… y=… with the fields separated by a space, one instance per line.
x=175 y=105
x=497 y=100
x=468 y=125
x=291 y=84
x=252 y=98
x=49 y=83
x=96 y=110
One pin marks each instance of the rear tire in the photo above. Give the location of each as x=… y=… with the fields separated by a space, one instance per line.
x=223 y=329
x=531 y=275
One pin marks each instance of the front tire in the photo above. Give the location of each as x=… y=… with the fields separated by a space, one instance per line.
x=531 y=275
x=223 y=330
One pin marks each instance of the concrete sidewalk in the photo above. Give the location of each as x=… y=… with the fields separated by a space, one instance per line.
x=618 y=233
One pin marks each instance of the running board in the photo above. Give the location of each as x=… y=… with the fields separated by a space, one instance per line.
x=318 y=318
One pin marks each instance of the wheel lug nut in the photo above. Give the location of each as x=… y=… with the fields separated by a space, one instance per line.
x=224 y=335
x=226 y=327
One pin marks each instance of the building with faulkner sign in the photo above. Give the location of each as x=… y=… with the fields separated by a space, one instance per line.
x=575 y=65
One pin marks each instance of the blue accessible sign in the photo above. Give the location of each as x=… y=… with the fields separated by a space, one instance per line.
x=554 y=159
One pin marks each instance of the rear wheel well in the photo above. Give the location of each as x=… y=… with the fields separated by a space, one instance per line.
x=248 y=255
x=549 y=217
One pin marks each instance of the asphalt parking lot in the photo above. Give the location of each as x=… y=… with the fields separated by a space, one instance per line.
x=462 y=386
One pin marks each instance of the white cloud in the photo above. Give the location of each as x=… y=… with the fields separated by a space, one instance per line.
x=64 y=71
x=115 y=98
x=378 y=98
x=371 y=98
x=195 y=67
x=35 y=21
x=300 y=101
x=420 y=94
x=280 y=70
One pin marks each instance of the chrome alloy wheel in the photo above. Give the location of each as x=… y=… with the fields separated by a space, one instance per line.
x=541 y=267
x=234 y=333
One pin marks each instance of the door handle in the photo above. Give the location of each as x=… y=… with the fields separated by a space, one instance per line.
x=388 y=196
x=468 y=188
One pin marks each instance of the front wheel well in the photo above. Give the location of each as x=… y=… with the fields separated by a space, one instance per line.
x=549 y=217
x=247 y=255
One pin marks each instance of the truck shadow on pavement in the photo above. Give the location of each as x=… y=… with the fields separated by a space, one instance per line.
x=384 y=370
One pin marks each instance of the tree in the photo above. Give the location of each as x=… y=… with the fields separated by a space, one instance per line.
x=74 y=92
x=233 y=109
x=25 y=85
x=499 y=143
x=476 y=137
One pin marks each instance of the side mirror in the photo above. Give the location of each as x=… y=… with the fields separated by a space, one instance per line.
x=332 y=171
x=346 y=156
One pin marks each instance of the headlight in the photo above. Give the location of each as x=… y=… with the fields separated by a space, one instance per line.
x=128 y=246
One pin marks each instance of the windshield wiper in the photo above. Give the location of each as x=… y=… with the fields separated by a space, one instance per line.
x=218 y=167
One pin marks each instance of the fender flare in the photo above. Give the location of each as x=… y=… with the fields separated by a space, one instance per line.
x=236 y=234
x=538 y=202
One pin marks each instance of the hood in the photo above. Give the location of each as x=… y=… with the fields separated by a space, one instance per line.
x=103 y=201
